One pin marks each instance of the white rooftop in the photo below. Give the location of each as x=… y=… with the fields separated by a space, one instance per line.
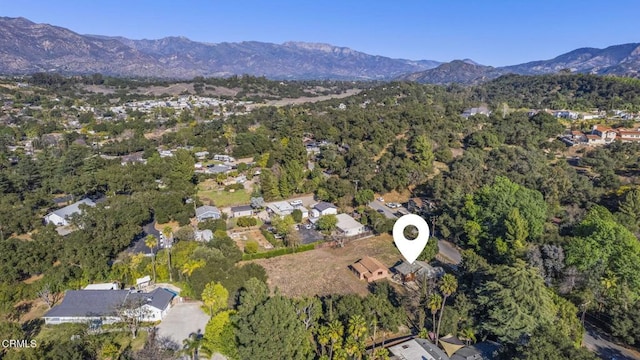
x=346 y=222
x=102 y=286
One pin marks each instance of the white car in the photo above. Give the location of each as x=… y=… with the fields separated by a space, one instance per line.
x=381 y=199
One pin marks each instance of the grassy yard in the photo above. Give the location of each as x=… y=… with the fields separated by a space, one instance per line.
x=221 y=198
x=325 y=271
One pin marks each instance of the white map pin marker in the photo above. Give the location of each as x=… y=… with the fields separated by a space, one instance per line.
x=410 y=249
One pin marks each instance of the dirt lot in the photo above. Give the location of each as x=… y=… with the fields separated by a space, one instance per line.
x=242 y=237
x=325 y=271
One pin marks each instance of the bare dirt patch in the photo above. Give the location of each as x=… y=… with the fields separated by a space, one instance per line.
x=457 y=152
x=242 y=237
x=35 y=309
x=33 y=279
x=302 y=100
x=325 y=271
x=173 y=225
x=395 y=196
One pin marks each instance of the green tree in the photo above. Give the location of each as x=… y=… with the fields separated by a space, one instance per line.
x=269 y=185
x=273 y=331
x=430 y=250
x=297 y=215
x=151 y=242
x=516 y=232
x=191 y=345
x=327 y=223
x=515 y=301
x=630 y=209
x=215 y=297
x=448 y=287
x=434 y=304
x=364 y=196
x=283 y=225
x=251 y=247
x=423 y=153
x=219 y=334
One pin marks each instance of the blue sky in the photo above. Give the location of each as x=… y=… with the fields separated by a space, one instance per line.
x=491 y=32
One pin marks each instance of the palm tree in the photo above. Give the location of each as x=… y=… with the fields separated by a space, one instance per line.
x=192 y=265
x=336 y=332
x=468 y=335
x=449 y=286
x=191 y=345
x=151 y=242
x=434 y=304
x=323 y=338
x=357 y=330
x=167 y=231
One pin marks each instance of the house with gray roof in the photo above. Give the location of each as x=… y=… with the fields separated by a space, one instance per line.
x=208 y=212
x=62 y=216
x=101 y=306
x=242 y=210
x=417 y=349
x=323 y=208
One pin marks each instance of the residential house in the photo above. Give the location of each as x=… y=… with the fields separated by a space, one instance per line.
x=485 y=350
x=280 y=208
x=578 y=137
x=134 y=158
x=205 y=235
x=419 y=270
x=566 y=114
x=601 y=134
x=165 y=153
x=348 y=226
x=417 y=348
x=223 y=158
x=629 y=135
x=218 y=169
x=369 y=269
x=101 y=306
x=481 y=110
x=201 y=155
x=240 y=211
x=62 y=216
x=206 y=212
x=103 y=286
x=323 y=208
x=143 y=282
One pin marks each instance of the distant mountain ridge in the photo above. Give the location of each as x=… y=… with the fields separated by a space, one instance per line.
x=27 y=47
x=622 y=60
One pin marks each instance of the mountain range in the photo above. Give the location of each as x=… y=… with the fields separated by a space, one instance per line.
x=621 y=60
x=27 y=47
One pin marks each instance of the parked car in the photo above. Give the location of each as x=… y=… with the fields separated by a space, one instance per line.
x=381 y=199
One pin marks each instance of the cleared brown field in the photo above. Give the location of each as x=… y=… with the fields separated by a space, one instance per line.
x=325 y=271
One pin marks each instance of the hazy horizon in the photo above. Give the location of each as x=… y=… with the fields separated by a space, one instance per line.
x=497 y=34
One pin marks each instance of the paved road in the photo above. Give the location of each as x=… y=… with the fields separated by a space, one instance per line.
x=450 y=251
x=598 y=342
x=386 y=211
